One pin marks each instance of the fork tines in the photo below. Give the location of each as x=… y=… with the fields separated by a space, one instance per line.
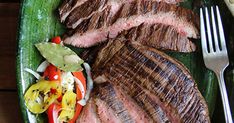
x=213 y=44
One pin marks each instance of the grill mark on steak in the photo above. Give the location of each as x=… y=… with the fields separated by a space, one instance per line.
x=108 y=95
x=106 y=53
x=121 y=103
x=128 y=10
x=67 y=6
x=96 y=22
x=146 y=103
x=152 y=107
x=105 y=113
x=175 y=87
x=81 y=29
x=83 y=12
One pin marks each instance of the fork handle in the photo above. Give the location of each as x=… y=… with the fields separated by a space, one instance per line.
x=223 y=91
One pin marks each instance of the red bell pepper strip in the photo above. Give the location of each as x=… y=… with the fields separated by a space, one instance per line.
x=56 y=40
x=77 y=113
x=59 y=99
x=80 y=76
x=53 y=112
x=52 y=73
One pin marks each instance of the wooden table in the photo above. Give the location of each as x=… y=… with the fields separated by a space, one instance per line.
x=9 y=102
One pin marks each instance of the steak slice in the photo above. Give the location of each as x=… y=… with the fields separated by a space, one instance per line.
x=101 y=25
x=89 y=113
x=112 y=104
x=72 y=7
x=68 y=6
x=158 y=83
x=126 y=109
x=159 y=36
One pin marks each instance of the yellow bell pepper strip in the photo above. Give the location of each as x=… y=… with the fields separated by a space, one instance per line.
x=81 y=77
x=40 y=95
x=77 y=113
x=68 y=106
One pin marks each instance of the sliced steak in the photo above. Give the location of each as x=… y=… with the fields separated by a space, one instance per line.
x=102 y=25
x=89 y=113
x=84 y=12
x=161 y=85
x=106 y=114
x=67 y=6
x=159 y=36
x=126 y=109
x=70 y=7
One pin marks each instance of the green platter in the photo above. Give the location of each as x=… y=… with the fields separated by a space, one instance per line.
x=39 y=23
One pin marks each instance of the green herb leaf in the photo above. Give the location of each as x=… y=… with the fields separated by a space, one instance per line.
x=60 y=56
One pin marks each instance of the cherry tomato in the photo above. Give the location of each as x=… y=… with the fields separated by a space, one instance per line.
x=52 y=73
x=56 y=40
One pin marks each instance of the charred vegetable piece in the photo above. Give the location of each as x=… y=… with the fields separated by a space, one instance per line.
x=68 y=106
x=60 y=56
x=40 y=95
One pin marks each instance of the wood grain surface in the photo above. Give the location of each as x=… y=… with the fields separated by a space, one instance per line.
x=8 y=25
x=9 y=102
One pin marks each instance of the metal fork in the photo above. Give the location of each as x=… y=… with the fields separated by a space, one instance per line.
x=215 y=52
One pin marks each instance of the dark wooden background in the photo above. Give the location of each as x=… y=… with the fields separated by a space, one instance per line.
x=9 y=102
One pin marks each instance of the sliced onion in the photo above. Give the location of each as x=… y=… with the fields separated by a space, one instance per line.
x=67 y=81
x=89 y=85
x=82 y=102
x=35 y=74
x=81 y=86
x=89 y=81
x=43 y=66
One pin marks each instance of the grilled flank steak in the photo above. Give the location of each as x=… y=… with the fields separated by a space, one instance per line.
x=148 y=79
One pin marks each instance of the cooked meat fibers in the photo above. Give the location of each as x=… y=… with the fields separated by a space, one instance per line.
x=69 y=6
x=110 y=105
x=101 y=25
x=156 y=82
x=134 y=82
x=118 y=10
x=159 y=36
x=126 y=109
x=89 y=113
